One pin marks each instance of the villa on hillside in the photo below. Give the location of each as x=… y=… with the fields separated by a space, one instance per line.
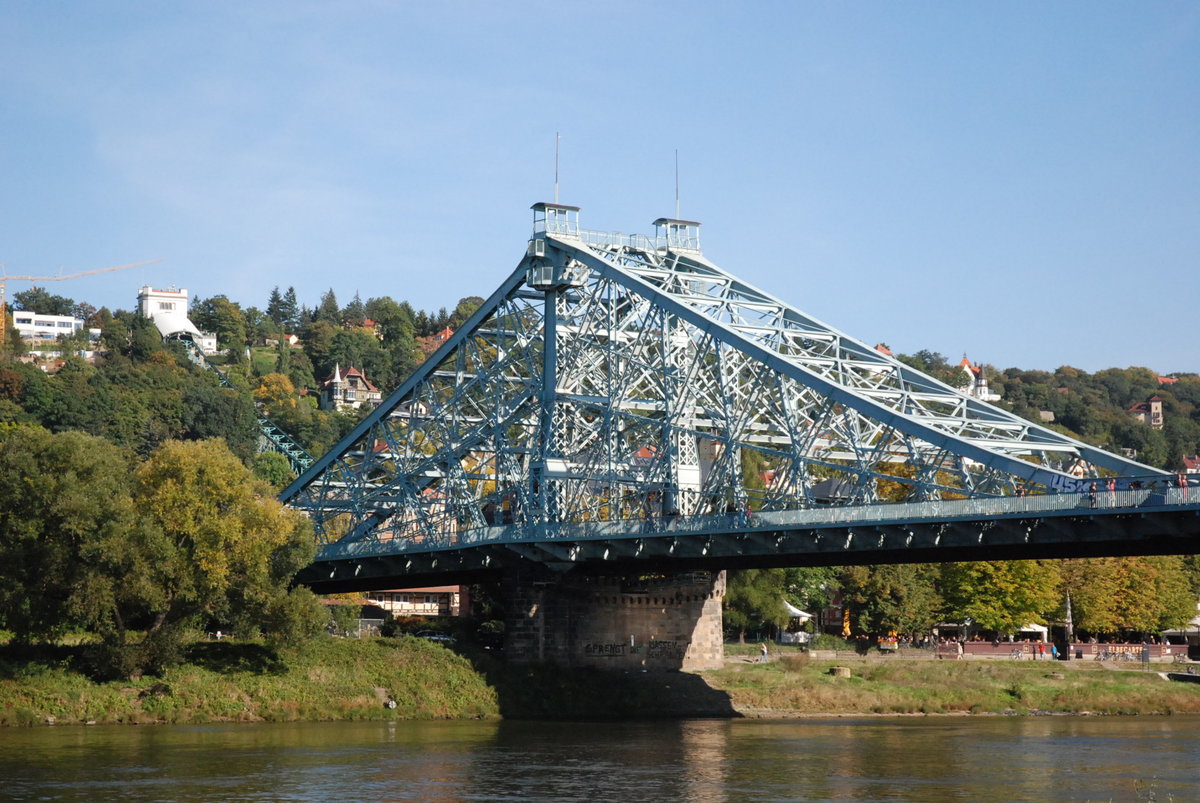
x=977 y=383
x=1149 y=412
x=348 y=390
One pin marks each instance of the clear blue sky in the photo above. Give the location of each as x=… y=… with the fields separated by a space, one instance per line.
x=1017 y=181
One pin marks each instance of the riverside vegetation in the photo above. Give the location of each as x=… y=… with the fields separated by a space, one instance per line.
x=349 y=679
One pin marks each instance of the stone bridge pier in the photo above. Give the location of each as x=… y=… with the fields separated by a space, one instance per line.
x=660 y=622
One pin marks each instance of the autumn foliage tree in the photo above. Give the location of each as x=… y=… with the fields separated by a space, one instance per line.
x=1000 y=595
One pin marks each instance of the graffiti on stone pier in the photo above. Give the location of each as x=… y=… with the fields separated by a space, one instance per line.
x=666 y=649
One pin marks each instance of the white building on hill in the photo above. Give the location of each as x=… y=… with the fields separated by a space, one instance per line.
x=168 y=309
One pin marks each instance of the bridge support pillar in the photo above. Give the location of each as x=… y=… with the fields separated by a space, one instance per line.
x=668 y=622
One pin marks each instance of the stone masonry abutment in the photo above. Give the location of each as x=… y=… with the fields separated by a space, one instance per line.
x=657 y=622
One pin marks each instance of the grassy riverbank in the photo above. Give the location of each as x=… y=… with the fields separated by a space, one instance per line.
x=338 y=679
x=797 y=686
x=330 y=679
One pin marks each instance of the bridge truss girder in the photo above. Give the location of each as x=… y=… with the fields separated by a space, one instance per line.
x=620 y=379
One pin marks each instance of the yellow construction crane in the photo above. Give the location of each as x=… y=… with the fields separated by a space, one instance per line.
x=4 y=279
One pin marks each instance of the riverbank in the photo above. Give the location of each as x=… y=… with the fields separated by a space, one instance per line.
x=796 y=685
x=410 y=678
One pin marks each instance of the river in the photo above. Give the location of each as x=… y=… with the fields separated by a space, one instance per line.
x=874 y=759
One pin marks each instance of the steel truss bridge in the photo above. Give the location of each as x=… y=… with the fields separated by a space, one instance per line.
x=620 y=403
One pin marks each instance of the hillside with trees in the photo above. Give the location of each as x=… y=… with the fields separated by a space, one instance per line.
x=140 y=398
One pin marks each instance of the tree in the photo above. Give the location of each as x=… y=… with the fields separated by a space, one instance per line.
x=215 y=412
x=934 y=364
x=61 y=498
x=754 y=599
x=290 y=311
x=355 y=312
x=214 y=546
x=361 y=349
x=328 y=311
x=274 y=469
x=275 y=307
x=1138 y=595
x=1000 y=595
x=463 y=310
x=900 y=598
x=276 y=393
x=41 y=301
x=86 y=313
x=812 y=589
x=224 y=318
x=317 y=339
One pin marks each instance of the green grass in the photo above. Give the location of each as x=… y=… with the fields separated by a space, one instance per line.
x=801 y=686
x=330 y=679
x=340 y=679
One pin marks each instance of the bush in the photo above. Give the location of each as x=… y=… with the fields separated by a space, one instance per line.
x=824 y=641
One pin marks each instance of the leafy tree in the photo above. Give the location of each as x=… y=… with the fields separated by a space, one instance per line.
x=14 y=346
x=215 y=546
x=1000 y=595
x=215 y=412
x=274 y=469
x=754 y=600
x=812 y=589
x=317 y=339
x=900 y=598
x=224 y=318
x=463 y=310
x=935 y=365
x=61 y=497
x=1139 y=595
x=276 y=393
x=361 y=349
x=87 y=313
x=41 y=301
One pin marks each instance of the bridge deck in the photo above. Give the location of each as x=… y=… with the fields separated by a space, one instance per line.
x=1058 y=525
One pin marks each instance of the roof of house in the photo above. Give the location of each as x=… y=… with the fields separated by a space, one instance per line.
x=338 y=377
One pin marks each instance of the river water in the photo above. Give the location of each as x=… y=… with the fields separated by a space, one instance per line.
x=875 y=759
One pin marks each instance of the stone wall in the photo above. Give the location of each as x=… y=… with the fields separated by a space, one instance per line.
x=670 y=622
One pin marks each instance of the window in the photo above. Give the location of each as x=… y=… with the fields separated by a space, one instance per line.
x=431 y=599
x=66 y=325
x=166 y=306
x=26 y=321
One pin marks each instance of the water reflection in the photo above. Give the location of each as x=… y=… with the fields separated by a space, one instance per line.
x=880 y=759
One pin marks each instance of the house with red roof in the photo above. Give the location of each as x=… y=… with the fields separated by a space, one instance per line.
x=348 y=390
x=977 y=383
x=1149 y=412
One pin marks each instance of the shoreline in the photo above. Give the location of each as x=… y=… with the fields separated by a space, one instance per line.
x=413 y=679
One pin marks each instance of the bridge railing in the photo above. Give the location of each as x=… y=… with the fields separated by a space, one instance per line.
x=768 y=521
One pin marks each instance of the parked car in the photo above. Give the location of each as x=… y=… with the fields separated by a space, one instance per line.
x=433 y=635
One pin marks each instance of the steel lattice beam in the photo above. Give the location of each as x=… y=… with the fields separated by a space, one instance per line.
x=625 y=379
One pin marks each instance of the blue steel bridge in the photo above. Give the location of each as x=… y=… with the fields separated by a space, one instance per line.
x=620 y=404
